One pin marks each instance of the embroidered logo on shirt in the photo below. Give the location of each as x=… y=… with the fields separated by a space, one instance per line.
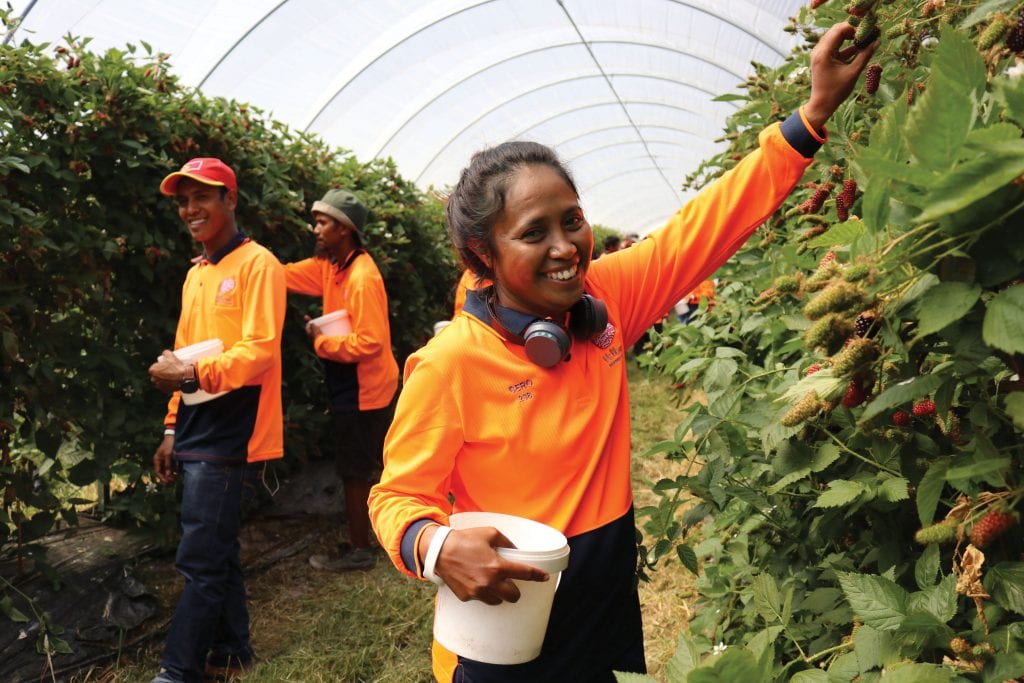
x=521 y=390
x=226 y=292
x=604 y=339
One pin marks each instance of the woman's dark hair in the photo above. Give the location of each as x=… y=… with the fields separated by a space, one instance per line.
x=479 y=196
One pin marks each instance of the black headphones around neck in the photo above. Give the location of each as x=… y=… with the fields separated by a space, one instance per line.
x=547 y=342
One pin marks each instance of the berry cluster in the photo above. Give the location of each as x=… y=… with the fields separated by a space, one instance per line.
x=817 y=200
x=901 y=418
x=923 y=408
x=991 y=526
x=842 y=209
x=863 y=325
x=856 y=393
x=936 y=533
x=811 y=369
x=828 y=258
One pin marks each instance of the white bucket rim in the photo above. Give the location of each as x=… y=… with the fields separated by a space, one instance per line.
x=330 y=317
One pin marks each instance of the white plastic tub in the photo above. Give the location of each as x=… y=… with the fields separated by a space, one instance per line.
x=509 y=633
x=335 y=324
x=191 y=354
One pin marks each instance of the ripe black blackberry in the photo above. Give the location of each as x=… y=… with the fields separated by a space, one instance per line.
x=1015 y=41
x=864 y=324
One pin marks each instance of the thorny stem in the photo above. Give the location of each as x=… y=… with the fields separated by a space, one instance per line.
x=860 y=457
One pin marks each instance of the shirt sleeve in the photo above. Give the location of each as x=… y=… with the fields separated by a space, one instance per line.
x=419 y=456
x=367 y=307
x=263 y=310
x=651 y=276
x=304 y=277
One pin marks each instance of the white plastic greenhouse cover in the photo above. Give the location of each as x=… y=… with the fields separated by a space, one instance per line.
x=622 y=89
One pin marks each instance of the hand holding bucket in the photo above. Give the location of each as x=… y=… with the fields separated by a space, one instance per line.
x=192 y=354
x=485 y=624
x=334 y=324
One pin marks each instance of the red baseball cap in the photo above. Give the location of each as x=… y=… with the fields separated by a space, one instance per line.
x=205 y=170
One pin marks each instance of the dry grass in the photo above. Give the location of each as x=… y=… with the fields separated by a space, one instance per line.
x=311 y=627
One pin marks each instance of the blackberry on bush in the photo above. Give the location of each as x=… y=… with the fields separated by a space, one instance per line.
x=991 y=526
x=872 y=79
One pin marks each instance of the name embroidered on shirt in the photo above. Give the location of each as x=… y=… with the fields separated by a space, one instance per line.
x=612 y=356
x=520 y=390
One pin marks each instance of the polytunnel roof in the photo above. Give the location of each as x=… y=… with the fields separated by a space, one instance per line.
x=622 y=89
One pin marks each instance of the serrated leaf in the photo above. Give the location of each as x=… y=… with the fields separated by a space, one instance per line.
x=1011 y=93
x=683 y=661
x=876 y=600
x=810 y=676
x=938 y=126
x=981 y=467
x=938 y=600
x=1005 y=583
x=827 y=454
x=1003 y=327
x=688 y=557
x=984 y=11
x=1015 y=408
x=840 y=492
x=767 y=599
x=929 y=491
x=626 y=677
x=840 y=233
x=735 y=664
x=945 y=303
x=927 y=566
x=919 y=673
x=785 y=481
x=893 y=490
x=989 y=170
x=875 y=205
x=901 y=393
x=868 y=644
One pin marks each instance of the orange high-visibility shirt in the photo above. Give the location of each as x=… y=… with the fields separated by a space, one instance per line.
x=237 y=296
x=478 y=421
x=357 y=287
x=467 y=283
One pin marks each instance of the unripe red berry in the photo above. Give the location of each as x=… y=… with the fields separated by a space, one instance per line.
x=901 y=418
x=811 y=369
x=872 y=79
x=991 y=526
x=924 y=408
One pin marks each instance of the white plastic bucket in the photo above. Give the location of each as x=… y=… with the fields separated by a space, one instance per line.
x=191 y=354
x=336 y=324
x=508 y=633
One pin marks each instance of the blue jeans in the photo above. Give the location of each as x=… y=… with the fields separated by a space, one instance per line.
x=211 y=617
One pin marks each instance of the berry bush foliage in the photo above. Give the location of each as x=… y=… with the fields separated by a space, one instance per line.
x=92 y=260
x=854 y=439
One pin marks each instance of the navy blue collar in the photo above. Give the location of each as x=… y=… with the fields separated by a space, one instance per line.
x=238 y=240
x=513 y=320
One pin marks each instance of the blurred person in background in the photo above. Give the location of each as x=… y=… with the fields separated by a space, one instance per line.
x=360 y=367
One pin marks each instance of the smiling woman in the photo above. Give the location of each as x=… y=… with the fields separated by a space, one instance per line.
x=483 y=424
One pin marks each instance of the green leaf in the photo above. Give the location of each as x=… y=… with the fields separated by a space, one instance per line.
x=873 y=648
x=918 y=673
x=683 y=661
x=1005 y=583
x=840 y=492
x=984 y=11
x=794 y=476
x=1006 y=666
x=687 y=557
x=901 y=393
x=626 y=677
x=929 y=490
x=880 y=168
x=945 y=303
x=767 y=599
x=10 y=611
x=1011 y=93
x=840 y=233
x=938 y=126
x=938 y=601
x=1003 y=327
x=875 y=205
x=982 y=466
x=827 y=454
x=876 y=600
x=992 y=168
x=894 y=489
x=735 y=664
x=1015 y=408
x=927 y=566
x=810 y=676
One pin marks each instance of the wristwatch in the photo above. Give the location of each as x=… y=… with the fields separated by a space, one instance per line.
x=190 y=384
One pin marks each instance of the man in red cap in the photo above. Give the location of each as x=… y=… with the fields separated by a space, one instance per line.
x=223 y=418
x=360 y=368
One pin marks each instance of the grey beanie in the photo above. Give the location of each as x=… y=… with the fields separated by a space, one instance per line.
x=342 y=205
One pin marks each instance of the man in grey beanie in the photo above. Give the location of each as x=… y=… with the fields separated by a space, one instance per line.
x=360 y=367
